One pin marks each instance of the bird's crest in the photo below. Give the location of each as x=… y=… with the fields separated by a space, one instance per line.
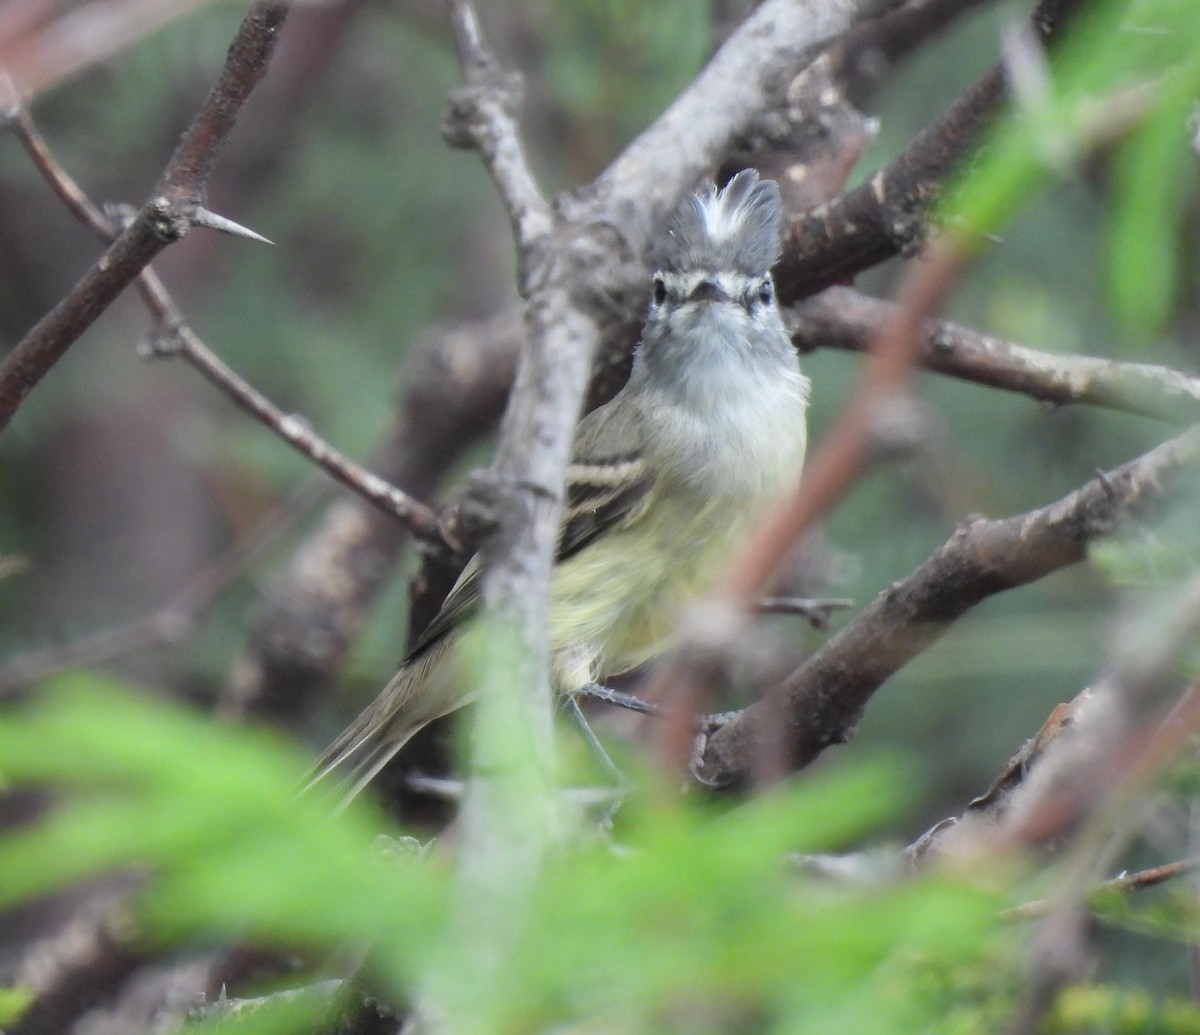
x=739 y=227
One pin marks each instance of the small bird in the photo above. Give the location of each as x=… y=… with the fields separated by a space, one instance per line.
x=664 y=478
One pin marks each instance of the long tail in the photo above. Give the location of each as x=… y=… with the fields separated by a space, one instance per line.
x=416 y=695
x=356 y=757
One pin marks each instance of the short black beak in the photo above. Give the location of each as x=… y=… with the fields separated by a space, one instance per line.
x=708 y=291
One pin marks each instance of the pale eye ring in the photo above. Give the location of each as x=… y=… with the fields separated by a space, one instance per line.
x=766 y=292
x=660 y=291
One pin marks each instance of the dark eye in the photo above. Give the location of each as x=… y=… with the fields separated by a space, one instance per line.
x=660 y=291
x=765 y=292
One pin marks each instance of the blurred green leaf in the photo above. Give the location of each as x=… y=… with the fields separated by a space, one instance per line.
x=697 y=904
x=1151 y=183
x=13 y=1002
x=1111 y=49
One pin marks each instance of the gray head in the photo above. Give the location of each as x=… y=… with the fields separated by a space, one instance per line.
x=716 y=377
x=738 y=228
x=712 y=295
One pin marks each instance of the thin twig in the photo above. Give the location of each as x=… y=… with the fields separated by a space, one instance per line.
x=171 y=336
x=483 y=116
x=165 y=218
x=817 y=611
x=1127 y=882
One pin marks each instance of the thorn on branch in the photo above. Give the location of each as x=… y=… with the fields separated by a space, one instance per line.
x=203 y=217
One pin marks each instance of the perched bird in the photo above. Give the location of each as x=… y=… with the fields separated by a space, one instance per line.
x=663 y=479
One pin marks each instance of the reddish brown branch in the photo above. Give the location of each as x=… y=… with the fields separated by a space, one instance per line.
x=1126 y=883
x=40 y=48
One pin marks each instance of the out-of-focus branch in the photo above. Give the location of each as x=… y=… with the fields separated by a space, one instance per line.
x=886 y=215
x=171 y=211
x=814 y=136
x=1150 y=877
x=72 y=970
x=39 y=55
x=826 y=696
x=1092 y=784
x=878 y=408
x=841 y=318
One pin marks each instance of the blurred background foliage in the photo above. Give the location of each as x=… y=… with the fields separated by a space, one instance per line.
x=122 y=479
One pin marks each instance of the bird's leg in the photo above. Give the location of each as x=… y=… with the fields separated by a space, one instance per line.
x=570 y=705
x=603 y=693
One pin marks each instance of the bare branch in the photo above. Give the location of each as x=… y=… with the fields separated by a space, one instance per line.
x=886 y=215
x=483 y=116
x=455 y=383
x=817 y=612
x=697 y=131
x=841 y=318
x=826 y=696
x=165 y=218
x=869 y=53
x=83 y=36
x=69 y=192
x=172 y=337
x=1127 y=882
x=71 y=970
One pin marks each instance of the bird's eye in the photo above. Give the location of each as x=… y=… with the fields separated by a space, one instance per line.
x=660 y=291
x=765 y=292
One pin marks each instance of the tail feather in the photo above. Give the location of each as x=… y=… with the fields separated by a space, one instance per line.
x=423 y=690
x=355 y=758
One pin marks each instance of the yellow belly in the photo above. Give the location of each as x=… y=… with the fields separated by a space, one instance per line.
x=613 y=606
